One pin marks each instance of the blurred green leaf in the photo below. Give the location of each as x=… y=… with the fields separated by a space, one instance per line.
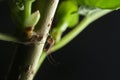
x=67 y=13
x=104 y=4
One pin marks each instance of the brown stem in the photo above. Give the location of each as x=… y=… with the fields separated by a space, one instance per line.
x=25 y=62
x=27 y=56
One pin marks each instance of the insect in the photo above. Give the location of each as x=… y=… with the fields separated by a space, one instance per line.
x=49 y=43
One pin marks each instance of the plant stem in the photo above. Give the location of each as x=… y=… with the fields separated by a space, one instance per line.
x=67 y=38
x=25 y=63
x=27 y=9
x=41 y=59
x=58 y=31
x=9 y=38
x=78 y=29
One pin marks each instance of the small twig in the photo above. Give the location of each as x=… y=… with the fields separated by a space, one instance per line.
x=8 y=38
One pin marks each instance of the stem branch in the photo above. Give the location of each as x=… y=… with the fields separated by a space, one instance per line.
x=9 y=38
x=25 y=63
x=78 y=29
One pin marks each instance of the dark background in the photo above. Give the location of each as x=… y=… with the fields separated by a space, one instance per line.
x=92 y=55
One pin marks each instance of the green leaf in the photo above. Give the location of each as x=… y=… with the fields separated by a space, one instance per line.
x=67 y=13
x=32 y=20
x=67 y=16
x=20 y=11
x=105 y=4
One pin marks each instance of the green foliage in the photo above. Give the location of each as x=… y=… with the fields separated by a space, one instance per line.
x=25 y=20
x=67 y=16
x=67 y=13
x=21 y=13
x=104 y=4
x=32 y=20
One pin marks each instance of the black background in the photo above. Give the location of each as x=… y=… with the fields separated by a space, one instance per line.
x=92 y=55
